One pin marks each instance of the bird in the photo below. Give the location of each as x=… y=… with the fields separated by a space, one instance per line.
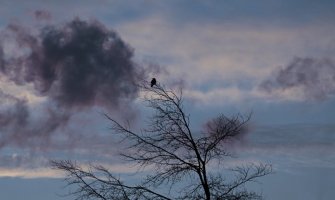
x=153 y=82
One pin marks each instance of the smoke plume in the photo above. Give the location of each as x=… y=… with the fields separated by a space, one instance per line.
x=75 y=66
x=313 y=78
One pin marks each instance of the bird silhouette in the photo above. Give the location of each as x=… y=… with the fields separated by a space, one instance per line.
x=153 y=82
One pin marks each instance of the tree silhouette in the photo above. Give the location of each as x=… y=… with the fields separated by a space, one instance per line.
x=182 y=163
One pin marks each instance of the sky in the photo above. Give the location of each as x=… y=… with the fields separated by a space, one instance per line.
x=272 y=58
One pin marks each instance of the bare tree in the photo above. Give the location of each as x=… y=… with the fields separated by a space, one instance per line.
x=180 y=160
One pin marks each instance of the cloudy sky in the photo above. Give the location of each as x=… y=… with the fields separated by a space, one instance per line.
x=274 y=58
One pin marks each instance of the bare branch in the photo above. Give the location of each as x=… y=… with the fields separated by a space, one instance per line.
x=172 y=153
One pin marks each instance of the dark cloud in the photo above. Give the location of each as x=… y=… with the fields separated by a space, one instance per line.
x=75 y=66
x=314 y=77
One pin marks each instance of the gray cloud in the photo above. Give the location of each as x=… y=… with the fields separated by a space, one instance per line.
x=75 y=65
x=314 y=77
x=2 y=61
x=19 y=128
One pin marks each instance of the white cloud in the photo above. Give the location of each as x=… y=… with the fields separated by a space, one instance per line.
x=235 y=95
x=21 y=92
x=207 y=57
x=48 y=172
x=216 y=96
x=30 y=173
x=200 y=52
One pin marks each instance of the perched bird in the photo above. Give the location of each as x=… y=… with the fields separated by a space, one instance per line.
x=153 y=82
